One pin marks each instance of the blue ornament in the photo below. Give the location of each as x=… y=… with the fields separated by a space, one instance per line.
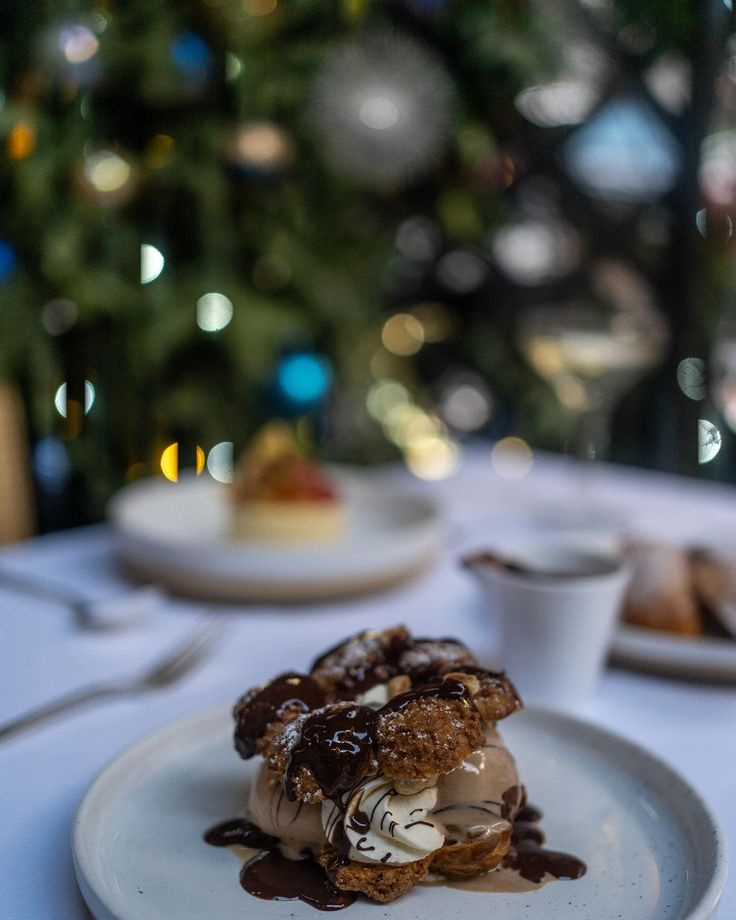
x=303 y=378
x=191 y=54
x=8 y=260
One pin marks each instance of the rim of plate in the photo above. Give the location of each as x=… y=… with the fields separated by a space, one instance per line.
x=702 y=910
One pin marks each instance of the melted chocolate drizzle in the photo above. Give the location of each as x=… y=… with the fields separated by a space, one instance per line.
x=272 y=877
x=257 y=709
x=530 y=858
x=448 y=689
x=240 y=832
x=336 y=747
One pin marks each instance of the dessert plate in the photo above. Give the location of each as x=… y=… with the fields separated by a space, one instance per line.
x=702 y=658
x=175 y=534
x=653 y=850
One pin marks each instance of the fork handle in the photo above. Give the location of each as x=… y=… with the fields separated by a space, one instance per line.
x=59 y=706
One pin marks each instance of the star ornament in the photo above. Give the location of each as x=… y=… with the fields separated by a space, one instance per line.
x=383 y=108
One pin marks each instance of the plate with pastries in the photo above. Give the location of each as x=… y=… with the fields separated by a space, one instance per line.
x=287 y=529
x=679 y=616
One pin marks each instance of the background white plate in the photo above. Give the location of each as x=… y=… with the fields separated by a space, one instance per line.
x=176 y=534
x=653 y=850
x=702 y=658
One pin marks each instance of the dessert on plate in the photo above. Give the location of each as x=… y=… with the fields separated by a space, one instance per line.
x=279 y=495
x=381 y=766
x=689 y=592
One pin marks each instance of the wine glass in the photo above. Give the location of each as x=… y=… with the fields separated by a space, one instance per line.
x=590 y=356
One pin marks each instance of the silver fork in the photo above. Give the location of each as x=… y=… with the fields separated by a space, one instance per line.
x=173 y=666
x=105 y=615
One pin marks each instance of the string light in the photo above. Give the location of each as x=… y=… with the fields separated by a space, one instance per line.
x=78 y=44
x=691 y=378
x=8 y=260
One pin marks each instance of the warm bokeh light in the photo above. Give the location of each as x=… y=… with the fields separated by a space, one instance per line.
x=214 y=312
x=261 y=146
x=199 y=460
x=512 y=458
x=152 y=263
x=384 y=396
x=433 y=457
x=170 y=462
x=259 y=7
x=107 y=171
x=160 y=150
x=402 y=334
x=21 y=141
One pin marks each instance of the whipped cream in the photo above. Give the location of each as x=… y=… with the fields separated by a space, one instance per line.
x=384 y=826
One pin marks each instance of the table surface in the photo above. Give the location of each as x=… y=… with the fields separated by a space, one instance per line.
x=44 y=774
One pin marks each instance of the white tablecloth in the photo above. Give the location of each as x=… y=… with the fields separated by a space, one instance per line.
x=44 y=774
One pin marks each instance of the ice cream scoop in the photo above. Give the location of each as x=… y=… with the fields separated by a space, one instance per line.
x=298 y=826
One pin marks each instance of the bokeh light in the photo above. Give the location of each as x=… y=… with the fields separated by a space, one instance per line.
x=51 y=464
x=418 y=239
x=384 y=396
x=21 y=141
x=58 y=316
x=262 y=147
x=564 y=102
x=304 y=378
x=170 y=462
x=214 y=312
x=512 y=458
x=60 y=398
x=691 y=378
x=78 y=44
x=8 y=260
x=532 y=252
x=190 y=54
x=199 y=460
x=718 y=168
x=107 y=172
x=152 y=263
x=379 y=112
x=402 y=334
x=709 y=441
x=221 y=461
x=462 y=270
x=465 y=403
x=433 y=457
x=709 y=224
x=259 y=7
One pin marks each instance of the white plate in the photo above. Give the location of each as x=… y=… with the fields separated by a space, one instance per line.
x=649 y=650
x=176 y=534
x=653 y=850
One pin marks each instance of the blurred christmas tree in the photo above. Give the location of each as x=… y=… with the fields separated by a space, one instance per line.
x=215 y=211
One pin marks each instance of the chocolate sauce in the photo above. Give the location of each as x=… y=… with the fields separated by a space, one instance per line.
x=273 y=878
x=257 y=709
x=360 y=822
x=448 y=689
x=512 y=800
x=376 y=666
x=240 y=832
x=531 y=859
x=336 y=747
